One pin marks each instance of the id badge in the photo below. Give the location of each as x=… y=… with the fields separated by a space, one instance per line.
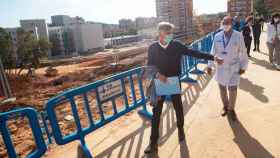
x=224 y=53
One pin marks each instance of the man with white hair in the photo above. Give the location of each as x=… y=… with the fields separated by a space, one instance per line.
x=165 y=55
x=229 y=45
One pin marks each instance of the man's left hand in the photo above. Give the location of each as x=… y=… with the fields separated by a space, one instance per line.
x=218 y=60
x=241 y=72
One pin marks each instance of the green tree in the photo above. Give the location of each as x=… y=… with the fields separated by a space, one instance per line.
x=30 y=51
x=5 y=48
x=260 y=8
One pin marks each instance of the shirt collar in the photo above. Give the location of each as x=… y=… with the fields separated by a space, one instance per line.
x=163 y=46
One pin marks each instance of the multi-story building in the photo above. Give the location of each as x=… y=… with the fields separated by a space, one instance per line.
x=62 y=39
x=88 y=37
x=109 y=30
x=76 y=39
x=60 y=20
x=72 y=35
x=177 y=12
x=126 y=24
x=63 y=20
x=37 y=27
x=272 y=5
x=240 y=7
x=145 y=22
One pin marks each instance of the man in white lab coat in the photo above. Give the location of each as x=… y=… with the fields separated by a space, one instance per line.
x=229 y=45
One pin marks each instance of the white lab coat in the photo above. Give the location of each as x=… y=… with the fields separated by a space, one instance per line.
x=272 y=33
x=235 y=59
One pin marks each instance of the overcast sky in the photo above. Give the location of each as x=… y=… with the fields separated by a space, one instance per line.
x=107 y=11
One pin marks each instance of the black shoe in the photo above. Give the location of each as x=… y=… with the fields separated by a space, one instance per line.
x=225 y=111
x=181 y=134
x=232 y=115
x=258 y=50
x=254 y=49
x=151 y=149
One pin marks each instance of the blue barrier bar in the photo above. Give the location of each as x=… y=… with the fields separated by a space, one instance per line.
x=44 y=119
x=204 y=48
x=197 y=46
x=31 y=114
x=187 y=64
x=69 y=96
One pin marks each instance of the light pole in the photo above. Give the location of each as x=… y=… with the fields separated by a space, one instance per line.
x=252 y=7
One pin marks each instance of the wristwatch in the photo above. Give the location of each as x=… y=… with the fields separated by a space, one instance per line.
x=157 y=75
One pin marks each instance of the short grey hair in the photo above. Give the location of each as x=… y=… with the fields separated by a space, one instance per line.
x=165 y=26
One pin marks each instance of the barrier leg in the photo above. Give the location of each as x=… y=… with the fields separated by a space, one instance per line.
x=186 y=78
x=196 y=71
x=83 y=152
x=203 y=62
x=45 y=128
x=145 y=113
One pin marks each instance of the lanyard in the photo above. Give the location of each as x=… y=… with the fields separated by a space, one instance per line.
x=224 y=41
x=276 y=25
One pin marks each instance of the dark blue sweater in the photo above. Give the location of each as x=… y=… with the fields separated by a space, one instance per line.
x=168 y=61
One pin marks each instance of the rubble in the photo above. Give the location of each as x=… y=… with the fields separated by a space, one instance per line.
x=51 y=72
x=61 y=80
x=69 y=118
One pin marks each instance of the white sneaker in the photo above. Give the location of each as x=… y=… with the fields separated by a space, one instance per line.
x=278 y=67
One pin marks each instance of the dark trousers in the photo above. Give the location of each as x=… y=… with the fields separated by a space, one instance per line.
x=157 y=109
x=248 y=42
x=257 y=42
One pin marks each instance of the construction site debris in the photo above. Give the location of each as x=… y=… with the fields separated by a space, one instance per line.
x=68 y=118
x=51 y=72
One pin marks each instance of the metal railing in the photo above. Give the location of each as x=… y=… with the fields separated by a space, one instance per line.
x=33 y=120
x=106 y=90
x=189 y=64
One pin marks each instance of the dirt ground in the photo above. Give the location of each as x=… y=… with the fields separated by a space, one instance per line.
x=35 y=91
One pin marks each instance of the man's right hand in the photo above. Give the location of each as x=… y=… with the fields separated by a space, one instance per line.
x=162 y=78
x=209 y=71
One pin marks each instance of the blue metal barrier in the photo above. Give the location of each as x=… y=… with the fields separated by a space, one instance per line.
x=31 y=114
x=117 y=83
x=197 y=46
x=189 y=64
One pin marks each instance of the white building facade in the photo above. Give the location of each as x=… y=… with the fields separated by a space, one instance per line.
x=76 y=39
x=88 y=37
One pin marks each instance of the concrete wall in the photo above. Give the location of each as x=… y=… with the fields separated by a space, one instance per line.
x=92 y=36
x=88 y=37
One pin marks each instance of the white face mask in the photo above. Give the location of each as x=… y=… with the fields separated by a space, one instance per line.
x=227 y=27
x=276 y=20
